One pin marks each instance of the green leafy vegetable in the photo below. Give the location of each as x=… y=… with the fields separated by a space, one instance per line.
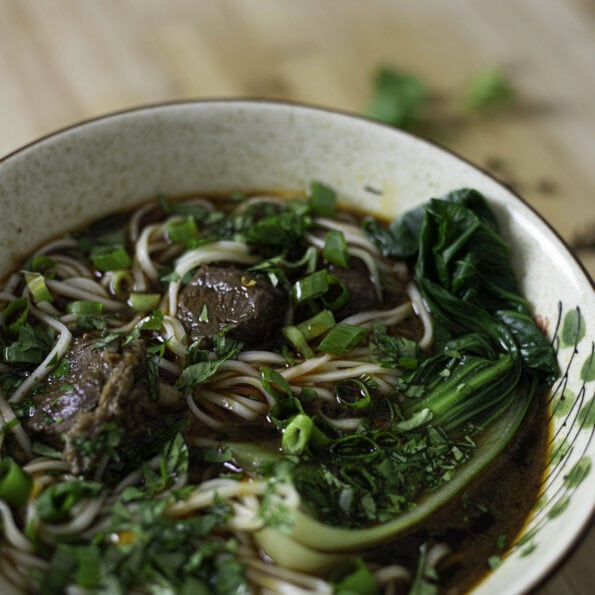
x=401 y=239
x=488 y=363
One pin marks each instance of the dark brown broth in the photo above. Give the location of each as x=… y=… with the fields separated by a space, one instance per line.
x=498 y=503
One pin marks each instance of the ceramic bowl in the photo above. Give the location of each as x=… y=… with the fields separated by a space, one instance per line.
x=87 y=170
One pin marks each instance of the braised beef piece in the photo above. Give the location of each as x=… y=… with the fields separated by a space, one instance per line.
x=243 y=305
x=105 y=404
x=362 y=293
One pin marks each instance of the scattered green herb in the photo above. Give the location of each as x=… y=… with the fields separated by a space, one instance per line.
x=397 y=98
x=488 y=90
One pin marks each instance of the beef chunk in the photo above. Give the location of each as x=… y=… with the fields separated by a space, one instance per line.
x=105 y=404
x=243 y=305
x=362 y=293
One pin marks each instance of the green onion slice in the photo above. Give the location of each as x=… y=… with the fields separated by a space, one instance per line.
x=110 y=258
x=17 y=354
x=342 y=338
x=182 y=232
x=298 y=341
x=143 y=302
x=43 y=264
x=297 y=434
x=335 y=248
x=317 y=325
x=121 y=283
x=323 y=200
x=83 y=307
x=353 y=394
x=311 y=287
x=14 y=316
x=335 y=302
x=37 y=287
x=15 y=483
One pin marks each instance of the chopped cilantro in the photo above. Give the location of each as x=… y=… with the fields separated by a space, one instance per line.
x=488 y=90
x=397 y=98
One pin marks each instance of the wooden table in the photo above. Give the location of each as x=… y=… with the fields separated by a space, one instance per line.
x=65 y=60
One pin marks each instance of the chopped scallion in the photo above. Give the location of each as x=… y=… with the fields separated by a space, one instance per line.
x=311 y=287
x=298 y=341
x=354 y=394
x=317 y=325
x=111 y=258
x=14 y=316
x=37 y=287
x=335 y=248
x=297 y=434
x=83 y=307
x=121 y=283
x=15 y=483
x=323 y=200
x=43 y=264
x=182 y=232
x=335 y=300
x=342 y=338
x=16 y=354
x=142 y=302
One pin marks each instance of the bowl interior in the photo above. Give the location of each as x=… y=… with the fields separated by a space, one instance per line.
x=109 y=164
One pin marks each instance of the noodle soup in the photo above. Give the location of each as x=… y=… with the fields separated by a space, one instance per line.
x=259 y=393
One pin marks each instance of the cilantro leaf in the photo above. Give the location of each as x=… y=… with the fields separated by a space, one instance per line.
x=204 y=364
x=398 y=98
x=487 y=90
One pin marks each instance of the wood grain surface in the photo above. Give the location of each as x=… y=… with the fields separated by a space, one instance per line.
x=66 y=60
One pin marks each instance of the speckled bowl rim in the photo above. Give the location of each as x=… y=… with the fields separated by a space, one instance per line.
x=572 y=546
x=307 y=106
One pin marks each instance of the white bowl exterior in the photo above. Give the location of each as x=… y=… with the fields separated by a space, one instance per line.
x=108 y=164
